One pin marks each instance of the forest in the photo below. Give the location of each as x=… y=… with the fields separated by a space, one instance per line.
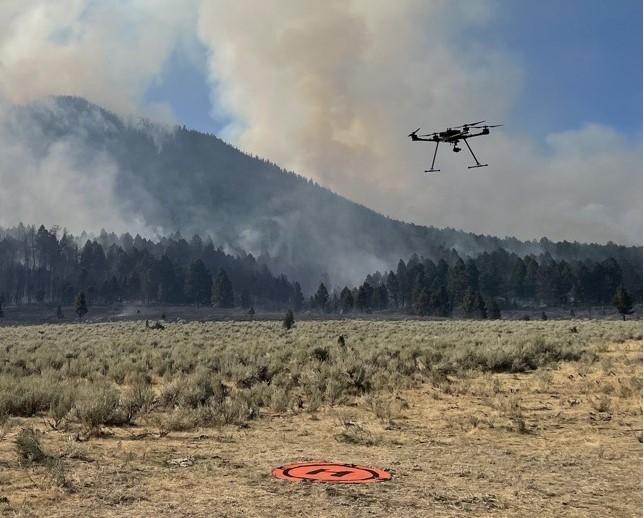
x=53 y=267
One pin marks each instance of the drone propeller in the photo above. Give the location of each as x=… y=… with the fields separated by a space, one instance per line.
x=488 y=126
x=469 y=125
x=414 y=132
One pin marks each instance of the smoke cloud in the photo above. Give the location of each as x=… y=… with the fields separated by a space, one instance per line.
x=107 y=52
x=59 y=184
x=331 y=89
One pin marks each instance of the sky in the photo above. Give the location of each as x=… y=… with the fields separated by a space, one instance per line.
x=331 y=89
x=581 y=60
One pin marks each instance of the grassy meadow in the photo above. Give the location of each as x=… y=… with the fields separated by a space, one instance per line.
x=471 y=417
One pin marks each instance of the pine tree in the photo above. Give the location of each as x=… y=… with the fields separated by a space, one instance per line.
x=481 y=309
x=517 y=279
x=473 y=304
x=494 y=313
x=245 y=300
x=81 y=305
x=380 y=297
x=623 y=302
x=198 y=283
x=439 y=302
x=346 y=300
x=59 y=313
x=403 y=288
x=392 y=288
x=363 y=300
x=472 y=274
x=289 y=320
x=423 y=302
x=222 y=291
x=321 y=297
x=457 y=283
x=298 y=297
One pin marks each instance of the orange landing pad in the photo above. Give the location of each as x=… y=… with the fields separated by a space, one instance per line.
x=330 y=473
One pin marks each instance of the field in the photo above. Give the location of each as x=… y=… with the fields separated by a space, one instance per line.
x=471 y=418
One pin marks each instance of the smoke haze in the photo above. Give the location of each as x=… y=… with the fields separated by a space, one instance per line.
x=326 y=89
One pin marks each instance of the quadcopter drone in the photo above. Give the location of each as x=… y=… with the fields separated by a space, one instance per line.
x=453 y=136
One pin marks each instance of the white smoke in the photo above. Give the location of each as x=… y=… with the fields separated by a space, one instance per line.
x=59 y=185
x=107 y=52
x=331 y=89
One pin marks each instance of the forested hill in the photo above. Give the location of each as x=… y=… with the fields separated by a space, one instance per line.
x=182 y=180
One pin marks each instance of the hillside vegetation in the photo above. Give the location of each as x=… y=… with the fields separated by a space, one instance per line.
x=176 y=179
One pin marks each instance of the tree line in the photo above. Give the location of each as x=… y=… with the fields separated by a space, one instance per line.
x=481 y=286
x=50 y=266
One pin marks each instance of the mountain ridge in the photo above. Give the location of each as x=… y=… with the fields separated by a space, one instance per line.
x=178 y=179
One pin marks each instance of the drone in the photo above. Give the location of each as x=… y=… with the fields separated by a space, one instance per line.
x=453 y=136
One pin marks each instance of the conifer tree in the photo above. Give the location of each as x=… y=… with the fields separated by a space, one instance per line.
x=363 y=300
x=81 y=305
x=245 y=300
x=198 y=283
x=423 y=302
x=392 y=288
x=346 y=300
x=403 y=288
x=59 y=313
x=440 y=302
x=623 y=302
x=494 y=312
x=321 y=297
x=222 y=291
x=473 y=304
x=298 y=297
x=457 y=283
x=289 y=320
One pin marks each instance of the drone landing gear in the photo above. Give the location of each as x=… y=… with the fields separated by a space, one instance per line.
x=478 y=164
x=431 y=169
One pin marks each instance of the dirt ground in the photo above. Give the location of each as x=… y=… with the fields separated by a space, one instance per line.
x=46 y=314
x=553 y=442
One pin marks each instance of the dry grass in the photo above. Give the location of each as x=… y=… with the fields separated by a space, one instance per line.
x=507 y=418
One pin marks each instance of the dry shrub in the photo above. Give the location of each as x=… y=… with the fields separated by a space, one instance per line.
x=602 y=403
x=97 y=406
x=29 y=449
x=179 y=420
x=225 y=372
x=136 y=400
x=387 y=408
x=31 y=452
x=354 y=432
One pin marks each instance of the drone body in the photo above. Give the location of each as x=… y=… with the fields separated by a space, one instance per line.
x=453 y=136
